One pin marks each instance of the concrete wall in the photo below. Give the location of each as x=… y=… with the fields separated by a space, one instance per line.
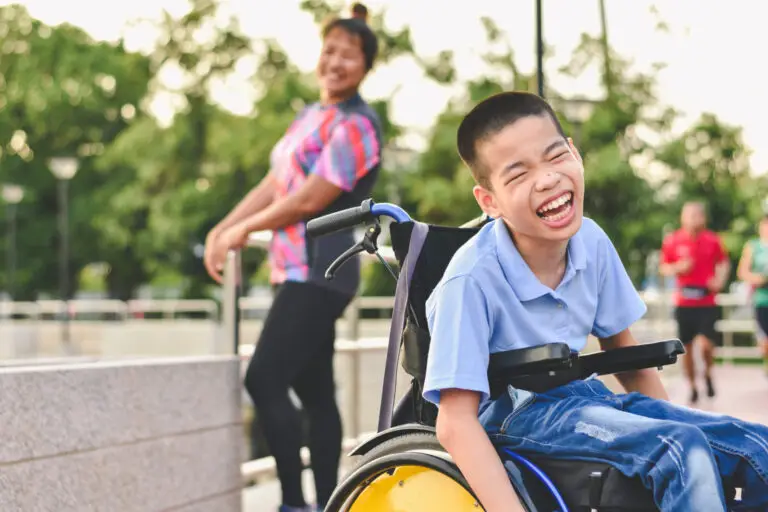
x=157 y=338
x=138 y=435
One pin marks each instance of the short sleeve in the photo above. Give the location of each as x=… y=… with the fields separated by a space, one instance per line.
x=618 y=303
x=460 y=331
x=349 y=154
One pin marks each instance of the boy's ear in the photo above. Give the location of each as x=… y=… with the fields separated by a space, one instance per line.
x=486 y=200
x=574 y=151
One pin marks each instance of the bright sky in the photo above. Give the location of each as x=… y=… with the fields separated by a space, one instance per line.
x=712 y=51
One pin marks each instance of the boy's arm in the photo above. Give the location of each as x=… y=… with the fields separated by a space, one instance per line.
x=646 y=381
x=618 y=307
x=460 y=321
x=461 y=434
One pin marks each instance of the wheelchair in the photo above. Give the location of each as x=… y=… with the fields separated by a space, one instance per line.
x=403 y=467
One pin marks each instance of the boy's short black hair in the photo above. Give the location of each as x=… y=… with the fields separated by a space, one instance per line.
x=492 y=115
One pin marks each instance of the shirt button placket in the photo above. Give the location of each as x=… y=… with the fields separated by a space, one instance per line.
x=562 y=320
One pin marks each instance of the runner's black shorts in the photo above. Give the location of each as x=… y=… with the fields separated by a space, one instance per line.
x=695 y=320
x=761 y=315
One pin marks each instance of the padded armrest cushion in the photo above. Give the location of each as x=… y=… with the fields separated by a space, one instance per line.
x=648 y=355
x=526 y=361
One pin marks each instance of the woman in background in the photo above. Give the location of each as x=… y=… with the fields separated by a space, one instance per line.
x=753 y=269
x=327 y=160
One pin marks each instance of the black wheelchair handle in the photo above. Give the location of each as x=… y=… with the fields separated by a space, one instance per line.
x=343 y=219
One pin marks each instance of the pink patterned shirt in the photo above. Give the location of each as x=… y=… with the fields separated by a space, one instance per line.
x=341 y=143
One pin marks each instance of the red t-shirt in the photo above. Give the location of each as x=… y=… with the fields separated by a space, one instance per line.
x=705 y=250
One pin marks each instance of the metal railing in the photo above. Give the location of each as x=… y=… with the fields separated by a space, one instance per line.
x=44 y=310
x=233 y=303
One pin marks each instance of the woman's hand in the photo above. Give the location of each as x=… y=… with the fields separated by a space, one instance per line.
x=210 y=246
x=218 y=244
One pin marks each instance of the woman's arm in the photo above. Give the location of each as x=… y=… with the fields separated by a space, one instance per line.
x=744 y=270
x=315 y=195
x=351 y=151
x=260 y=197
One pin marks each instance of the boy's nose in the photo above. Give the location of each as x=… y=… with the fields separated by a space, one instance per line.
x=548 y=180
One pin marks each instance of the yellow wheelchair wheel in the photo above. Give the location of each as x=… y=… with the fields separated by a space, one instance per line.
x=408 y=473
x=412 y=489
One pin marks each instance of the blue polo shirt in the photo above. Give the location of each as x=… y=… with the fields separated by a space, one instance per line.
x=490 y=301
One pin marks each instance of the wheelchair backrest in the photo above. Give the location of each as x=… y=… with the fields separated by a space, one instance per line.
x=439 y=247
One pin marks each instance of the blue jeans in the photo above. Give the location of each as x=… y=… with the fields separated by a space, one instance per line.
x=681 y=454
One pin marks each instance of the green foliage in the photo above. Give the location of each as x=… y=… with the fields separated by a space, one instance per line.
x=709 y=163
x=146 y=194
x=63 y=94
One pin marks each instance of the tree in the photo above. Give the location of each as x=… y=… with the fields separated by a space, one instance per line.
x=618 y=196
x=147 y=194
x=177 y=183
x=709 y=162
x=62 y=94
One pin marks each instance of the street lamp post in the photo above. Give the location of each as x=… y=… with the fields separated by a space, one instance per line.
x=64 y=169
x=12 y=196
x=539 y=50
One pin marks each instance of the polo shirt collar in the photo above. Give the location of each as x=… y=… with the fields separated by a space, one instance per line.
x=519 y=275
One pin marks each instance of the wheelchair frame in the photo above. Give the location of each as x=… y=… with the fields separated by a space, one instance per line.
x=550 y=360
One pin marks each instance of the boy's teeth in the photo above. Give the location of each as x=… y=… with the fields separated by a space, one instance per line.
x=558 y=216
x=554 y=204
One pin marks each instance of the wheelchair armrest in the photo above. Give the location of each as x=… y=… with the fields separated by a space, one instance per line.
x=649 y=355
x=530 y=360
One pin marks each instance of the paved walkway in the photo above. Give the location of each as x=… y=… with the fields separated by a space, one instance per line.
x=741 y=392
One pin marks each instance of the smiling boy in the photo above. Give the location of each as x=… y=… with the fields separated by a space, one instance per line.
x=542 y=273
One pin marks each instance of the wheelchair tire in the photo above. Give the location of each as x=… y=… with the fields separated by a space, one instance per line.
x=404 y=443
x=419 y=442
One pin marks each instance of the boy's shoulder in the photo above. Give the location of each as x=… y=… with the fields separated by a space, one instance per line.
x=477 y=257
x=591 y=229
x=476 y=260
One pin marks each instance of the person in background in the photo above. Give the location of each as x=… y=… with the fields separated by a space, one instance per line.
x=753 y=270
x=698 y=260
x=328 y=160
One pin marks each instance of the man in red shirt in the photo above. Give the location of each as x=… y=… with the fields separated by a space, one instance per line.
x=696 y=256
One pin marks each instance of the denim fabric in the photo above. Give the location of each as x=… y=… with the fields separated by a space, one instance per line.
x=682 y=455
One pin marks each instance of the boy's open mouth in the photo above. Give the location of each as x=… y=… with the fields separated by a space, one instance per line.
x=557 y=208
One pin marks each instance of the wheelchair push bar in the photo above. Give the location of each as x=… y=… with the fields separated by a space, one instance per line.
x=367 y=212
